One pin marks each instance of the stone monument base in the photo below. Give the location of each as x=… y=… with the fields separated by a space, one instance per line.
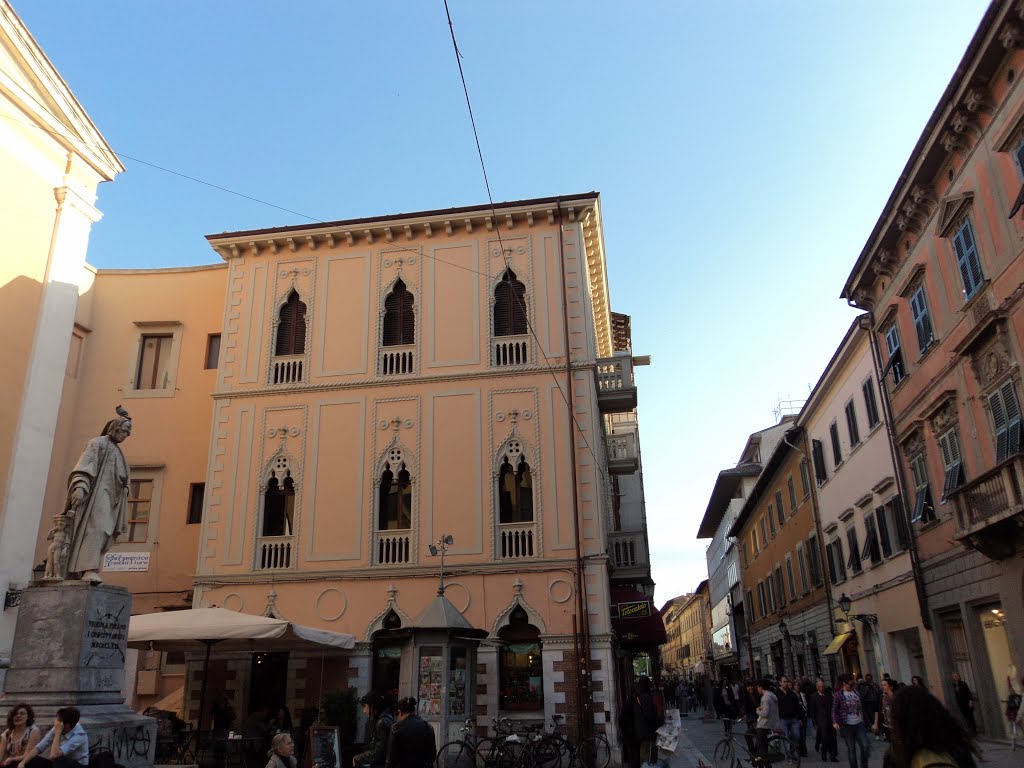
x=69 y=650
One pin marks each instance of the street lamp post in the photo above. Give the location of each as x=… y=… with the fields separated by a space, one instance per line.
x=441 y=546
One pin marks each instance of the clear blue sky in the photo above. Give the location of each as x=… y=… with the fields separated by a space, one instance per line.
x=743 y=151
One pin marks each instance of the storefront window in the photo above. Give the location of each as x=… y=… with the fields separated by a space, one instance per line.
x=431 y=668
x=520 y=668
x=457 y=674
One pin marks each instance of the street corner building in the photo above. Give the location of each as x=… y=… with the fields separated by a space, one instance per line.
x=333 y=408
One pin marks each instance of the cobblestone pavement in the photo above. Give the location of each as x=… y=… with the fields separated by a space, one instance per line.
x=697 y=740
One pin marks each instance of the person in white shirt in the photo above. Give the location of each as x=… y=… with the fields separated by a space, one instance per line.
x=66 y=745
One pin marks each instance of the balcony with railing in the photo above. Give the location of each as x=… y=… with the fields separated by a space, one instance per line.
x=274 y=553
x=517 y=541
x=287 y=369
x=623 y=455
x=510 y=350
x=397 y=360
x=393 y=547
x=616 y=391
x=990 y=510
x=627 y=551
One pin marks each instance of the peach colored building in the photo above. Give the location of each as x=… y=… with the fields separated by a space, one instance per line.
x=941 y=276
x=314 y=414
x=790 y=626
x=52 y=159
x=864 y=527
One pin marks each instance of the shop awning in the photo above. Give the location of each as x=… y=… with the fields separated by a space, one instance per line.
x=635 y=619
x=837 y=642
x=198 y=628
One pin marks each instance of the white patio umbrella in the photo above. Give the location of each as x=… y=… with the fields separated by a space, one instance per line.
x=203 y=628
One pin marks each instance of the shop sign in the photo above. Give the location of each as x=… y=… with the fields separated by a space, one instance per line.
x=637 y=610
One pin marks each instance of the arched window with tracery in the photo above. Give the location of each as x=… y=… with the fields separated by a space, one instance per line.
x=399 y=320
x=515 y=491
x=394 y=510
x=274 y=550
x=291 y=327
x=510 y=306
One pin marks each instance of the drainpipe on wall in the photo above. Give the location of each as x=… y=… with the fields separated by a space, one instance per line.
x=583 y=678
x=867 y=322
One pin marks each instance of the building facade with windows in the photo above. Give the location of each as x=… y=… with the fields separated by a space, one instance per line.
x=313 y=415
x=729 y=611
x=52 y=161
x=695 y=633
x=863 y=525
x=941 y=276
x=672 y=649
x=790 y=625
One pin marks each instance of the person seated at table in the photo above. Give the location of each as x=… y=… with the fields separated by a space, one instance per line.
x=21 y=735
x=66 y=745
x=282 y=752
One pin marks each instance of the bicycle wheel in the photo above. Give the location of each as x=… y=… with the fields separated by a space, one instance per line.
x=486 y=753
x=512 y=754
x=725 y=754
x=456 y=754
x=595 y=752
x=547 y=753
x=782 y=750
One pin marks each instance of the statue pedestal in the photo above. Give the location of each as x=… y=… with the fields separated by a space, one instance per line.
x=69 y=649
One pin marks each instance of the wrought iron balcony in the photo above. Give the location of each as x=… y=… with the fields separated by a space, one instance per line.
x=616 y=391
x=990 y=510
x=623 y=456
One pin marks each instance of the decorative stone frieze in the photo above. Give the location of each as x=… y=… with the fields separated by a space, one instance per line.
x=944 y=414
x=991 y=362
x=913 y=443
x=1010 y=35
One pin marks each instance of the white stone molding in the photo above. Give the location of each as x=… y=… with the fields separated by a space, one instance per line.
x=518 y=600
x=377 y=622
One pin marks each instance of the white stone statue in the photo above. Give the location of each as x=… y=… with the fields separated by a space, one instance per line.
x=97 y=500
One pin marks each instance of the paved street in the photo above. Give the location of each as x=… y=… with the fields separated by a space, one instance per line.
x=697 y=740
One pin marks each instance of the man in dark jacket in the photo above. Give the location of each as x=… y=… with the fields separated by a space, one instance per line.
x=825 y=740
x=378 y=729
x=791 y=712
x=965 y=702
x=411 y=743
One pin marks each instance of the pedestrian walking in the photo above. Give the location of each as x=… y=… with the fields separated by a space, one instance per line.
x=826 y=742
x=806 y=690
x=377 y=733
x=870 y=695
x=848 y=720
x=1014 y=710
x=767 y=718
x=883 y=717
x=925 y=735
x=965 y=702
x=411 y=743
x=790 y=713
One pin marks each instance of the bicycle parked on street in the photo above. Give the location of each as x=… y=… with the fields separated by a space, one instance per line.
x=739 y=750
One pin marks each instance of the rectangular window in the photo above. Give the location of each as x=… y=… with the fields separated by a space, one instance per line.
x=790 y=578
x=922 y=319
x=792 y=494
x=837 y=546
x=837 y=453
x=1005 y=420
x=892 y=346
x=805 y=479
x=771 y=520
x=814 y=562
x=753 y=541
x=853 y=563
x=924 y=508
x=770 y=581
x=872 y=550
x=851 y=424
x=140 y=501
x=196 y=491
x=818 y=454
x=212 y=350
x=833 y=572
x=764 y=531
x=761 y=599
x=949 y=445
x=967 y=259
x=870 y=404
x=882 y=526
x=780 y=510
x=751 y=606
x=153 y=369
x=801 y=563
x=780 y=587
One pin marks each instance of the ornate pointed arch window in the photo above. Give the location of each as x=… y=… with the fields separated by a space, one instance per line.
x=291 y=327
x=399 y=321
x=521 y=672
x=274 y=548
x=511 y=345
x=517 y=525
x=394 y=511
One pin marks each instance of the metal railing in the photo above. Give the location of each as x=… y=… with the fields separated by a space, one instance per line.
x=991 y=497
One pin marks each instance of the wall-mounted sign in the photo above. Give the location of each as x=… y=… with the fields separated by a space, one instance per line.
x=126 y=561
x=637 y=610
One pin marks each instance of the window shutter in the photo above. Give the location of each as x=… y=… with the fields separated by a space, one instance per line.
x=399 y=320
x=780 y=510
x=882 y=525
x=291 y=327
x=853 y=562
x=818 y=453
x=922 y=322
x=967 y=259
x=833 y=573
x=973 y=261
x=1019 y=154
x=780 y=587
x=510 y=306
x=840 y=562
x=871 y=548
x=1013 y=420
x=995 y=402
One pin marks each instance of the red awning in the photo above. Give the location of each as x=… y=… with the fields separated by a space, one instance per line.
x=635 y=619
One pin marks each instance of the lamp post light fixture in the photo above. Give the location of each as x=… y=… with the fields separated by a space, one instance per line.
x=440 y=547
x=845 y=604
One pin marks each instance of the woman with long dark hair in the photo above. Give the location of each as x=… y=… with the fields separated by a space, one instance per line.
x=925 y=735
